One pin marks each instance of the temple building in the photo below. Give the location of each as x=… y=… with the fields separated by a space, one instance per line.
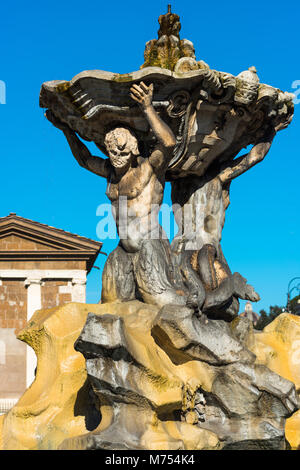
x=40 y=267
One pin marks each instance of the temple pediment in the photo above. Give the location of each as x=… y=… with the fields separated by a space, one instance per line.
x=24 y=239
x=15 y=241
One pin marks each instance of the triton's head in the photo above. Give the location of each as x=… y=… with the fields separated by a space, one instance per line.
x=121 y=145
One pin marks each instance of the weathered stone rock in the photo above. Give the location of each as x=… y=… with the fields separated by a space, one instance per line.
x=133 y=430
x=146 y=393
x=242 y=328
x=148 y=371
x=59 y=403
x=140 y=384
x=292 y=431
x=278 y=347
x=247 y=400
x=198 y=338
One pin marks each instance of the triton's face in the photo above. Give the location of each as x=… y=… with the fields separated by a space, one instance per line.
x=121 y=145
x=120 y=157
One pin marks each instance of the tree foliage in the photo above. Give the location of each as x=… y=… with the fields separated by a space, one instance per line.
x=294 y=305
x=266 y=318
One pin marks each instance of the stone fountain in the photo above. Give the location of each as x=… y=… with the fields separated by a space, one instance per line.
x=168 y=362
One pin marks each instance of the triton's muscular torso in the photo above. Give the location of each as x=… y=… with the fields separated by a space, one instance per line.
x=136 y=199
x=203 y=207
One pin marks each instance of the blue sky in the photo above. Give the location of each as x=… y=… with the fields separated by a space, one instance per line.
x=41 y=180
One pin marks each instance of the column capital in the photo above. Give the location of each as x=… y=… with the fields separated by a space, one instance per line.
x=78 y=281
x=32 y=280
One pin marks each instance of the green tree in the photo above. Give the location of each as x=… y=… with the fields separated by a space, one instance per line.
x=266 y=318
x=263 y=320
x=294 y=305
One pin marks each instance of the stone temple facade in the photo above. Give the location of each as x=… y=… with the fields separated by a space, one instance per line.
x=40 y=267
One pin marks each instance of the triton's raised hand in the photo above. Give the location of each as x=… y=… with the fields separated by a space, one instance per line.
x=283 y=125
x=142 y=93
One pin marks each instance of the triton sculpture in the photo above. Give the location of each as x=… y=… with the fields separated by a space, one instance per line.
x=178 y=120
x=141 y=263
x=166 y=357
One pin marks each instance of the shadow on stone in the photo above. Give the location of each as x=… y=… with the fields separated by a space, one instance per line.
x=87 y=405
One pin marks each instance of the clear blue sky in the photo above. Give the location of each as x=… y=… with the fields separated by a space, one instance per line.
x=41 y=180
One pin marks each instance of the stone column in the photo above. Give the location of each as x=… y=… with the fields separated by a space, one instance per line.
x=2 y=353
x=34 y=302
x=78 y=290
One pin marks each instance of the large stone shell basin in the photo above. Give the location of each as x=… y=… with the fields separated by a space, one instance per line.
x=213 y=114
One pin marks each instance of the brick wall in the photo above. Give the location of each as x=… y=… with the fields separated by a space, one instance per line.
x=53 y=294
x=55 y=264
x=13 y=313
x=12 y=364
x=13 y=304
x=12 y=242
x=13 y=300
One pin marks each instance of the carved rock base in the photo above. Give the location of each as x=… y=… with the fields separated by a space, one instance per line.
x=173 y=380
x=59 y=402
x=278 y=347
x=157 y=379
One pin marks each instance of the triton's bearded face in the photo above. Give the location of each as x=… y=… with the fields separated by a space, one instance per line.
x=120 y=156
x=121 y=145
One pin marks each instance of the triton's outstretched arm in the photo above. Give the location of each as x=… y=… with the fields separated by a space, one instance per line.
x=97 y=165
x=234 y=168
x=143 y=94
x=84 y=157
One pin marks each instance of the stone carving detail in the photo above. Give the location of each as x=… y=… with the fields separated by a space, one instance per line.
x=168 y=49
x=178 y=104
